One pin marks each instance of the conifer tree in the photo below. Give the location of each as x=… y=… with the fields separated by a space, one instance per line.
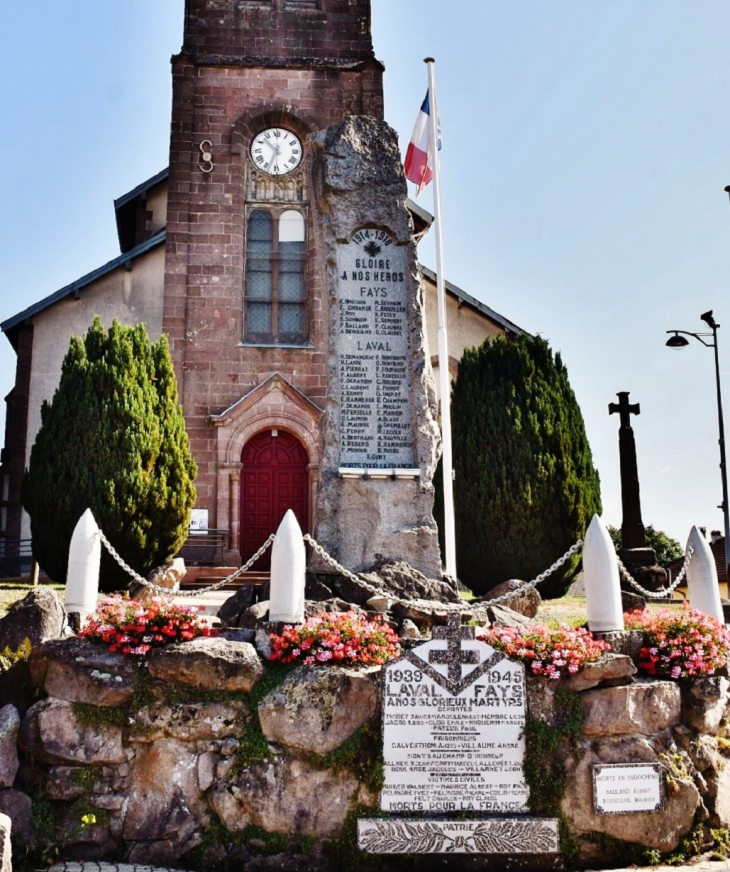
x=525 y=484
x=112 y=439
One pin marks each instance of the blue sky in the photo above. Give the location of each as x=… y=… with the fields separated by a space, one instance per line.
x=584 y=161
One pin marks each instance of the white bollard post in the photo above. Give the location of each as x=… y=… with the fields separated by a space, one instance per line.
x=84 y=555
x=603 y=586
x=288 y=567
x=704 y=590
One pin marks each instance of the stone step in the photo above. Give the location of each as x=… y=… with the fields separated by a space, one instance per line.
x=210 y=575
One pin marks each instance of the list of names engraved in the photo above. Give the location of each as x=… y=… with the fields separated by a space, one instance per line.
x=453 y=714
x=373 y=353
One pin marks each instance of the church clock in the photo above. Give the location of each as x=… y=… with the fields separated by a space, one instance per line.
x=276 y=151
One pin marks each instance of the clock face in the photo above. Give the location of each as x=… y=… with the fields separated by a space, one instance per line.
x=276 y=151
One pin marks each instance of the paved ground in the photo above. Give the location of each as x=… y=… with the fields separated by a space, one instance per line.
x=210 y=602
x=106 y=867
x=702 y=866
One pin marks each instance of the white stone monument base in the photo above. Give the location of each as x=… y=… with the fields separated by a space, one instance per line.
x=503 y=835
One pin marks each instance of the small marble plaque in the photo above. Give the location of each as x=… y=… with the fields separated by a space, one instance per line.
x=628 y=788
x=486 y=836
x=453 y=715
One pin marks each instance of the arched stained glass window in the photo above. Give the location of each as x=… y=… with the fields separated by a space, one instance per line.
x=275 y=297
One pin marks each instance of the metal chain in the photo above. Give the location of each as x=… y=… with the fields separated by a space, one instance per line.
x=539 y=578
x=328 y=558
x=656 y=594
x=166 y=591
x=318 y=549
x=369 y=587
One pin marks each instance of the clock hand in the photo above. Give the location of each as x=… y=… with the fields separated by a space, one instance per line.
x=274 y=156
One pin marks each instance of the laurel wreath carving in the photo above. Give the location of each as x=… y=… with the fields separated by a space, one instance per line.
x=488 y=837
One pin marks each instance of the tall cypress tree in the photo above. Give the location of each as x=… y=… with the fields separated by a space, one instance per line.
x=525 y=484
x=112 y=439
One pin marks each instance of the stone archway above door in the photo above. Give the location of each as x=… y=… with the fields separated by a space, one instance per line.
x=273 y=404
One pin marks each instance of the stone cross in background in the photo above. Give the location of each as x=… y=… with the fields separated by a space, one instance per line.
x=638 y=559
x=632 y=528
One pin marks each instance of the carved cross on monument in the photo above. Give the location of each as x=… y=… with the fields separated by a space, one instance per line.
x=632 y=528
x=454 y=655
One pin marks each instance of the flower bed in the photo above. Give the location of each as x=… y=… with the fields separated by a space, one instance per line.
x=552 y=653
x=132 y=628
x=337 y=637
x=680 y=644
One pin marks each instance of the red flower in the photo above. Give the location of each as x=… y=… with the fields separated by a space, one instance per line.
x=128 y=625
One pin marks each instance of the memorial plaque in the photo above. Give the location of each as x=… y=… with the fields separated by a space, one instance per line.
x=379 y=434
x=372 y=353
x=486 y=836
x=453 y=714
x=628 y=788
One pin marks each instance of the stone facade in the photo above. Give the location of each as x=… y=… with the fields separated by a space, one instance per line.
x=247 y=68
x=244 y=67
x=294 y=762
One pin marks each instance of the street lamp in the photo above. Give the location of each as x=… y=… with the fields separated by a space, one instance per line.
x=678 y=341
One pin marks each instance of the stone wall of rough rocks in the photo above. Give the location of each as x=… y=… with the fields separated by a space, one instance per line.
x=210 y=736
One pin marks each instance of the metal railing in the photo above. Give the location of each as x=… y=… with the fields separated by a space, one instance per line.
x=205 y=548
x=16 y=556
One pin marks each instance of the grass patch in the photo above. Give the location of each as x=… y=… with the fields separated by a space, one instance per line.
x=697 y=841
x=183 y=694
x=571 y=610
x=84 y=807
x=274 y=675
x=543 y=764
x=237 y=846
x=361 y=754
x=96 y=716
x=86 y=777
x=254 y=746
x=12 y=590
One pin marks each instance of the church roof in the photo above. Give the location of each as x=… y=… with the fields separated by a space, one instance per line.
x=141 y=188
x=75 y=287
x=125 y=207
x=467 y=299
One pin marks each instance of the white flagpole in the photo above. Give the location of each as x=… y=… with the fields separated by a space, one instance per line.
x=443 y=346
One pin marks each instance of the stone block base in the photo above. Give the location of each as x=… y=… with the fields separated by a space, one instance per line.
x=503 y=835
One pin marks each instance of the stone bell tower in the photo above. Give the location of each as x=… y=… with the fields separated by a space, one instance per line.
x=244 y=302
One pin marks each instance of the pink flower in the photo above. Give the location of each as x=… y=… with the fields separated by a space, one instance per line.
x=336 y=636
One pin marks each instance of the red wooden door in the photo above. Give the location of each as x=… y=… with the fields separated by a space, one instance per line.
x=274 y=478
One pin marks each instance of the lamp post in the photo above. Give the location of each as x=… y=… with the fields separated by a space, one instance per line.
x=678 y=341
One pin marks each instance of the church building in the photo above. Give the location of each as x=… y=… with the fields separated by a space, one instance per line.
x=223 y=252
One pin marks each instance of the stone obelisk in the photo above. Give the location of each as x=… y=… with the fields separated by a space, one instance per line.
x=380 y=434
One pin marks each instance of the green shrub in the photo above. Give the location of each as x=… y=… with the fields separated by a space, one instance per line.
x=113 y=440
x=525 y=486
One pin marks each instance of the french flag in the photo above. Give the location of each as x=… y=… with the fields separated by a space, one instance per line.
x=419 y=157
